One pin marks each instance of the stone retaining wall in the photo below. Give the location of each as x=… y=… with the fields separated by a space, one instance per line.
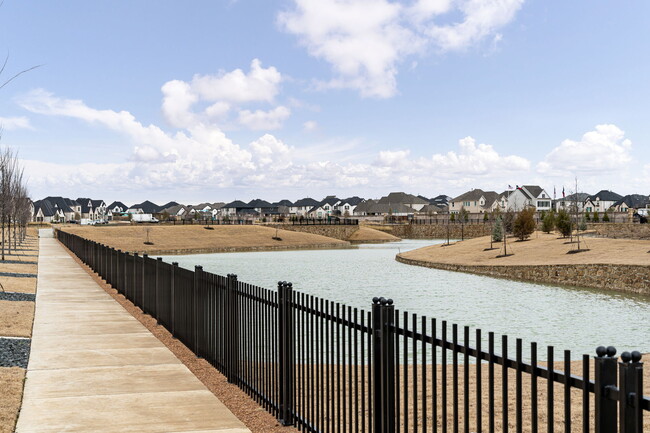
x=438 y=231
x=622 y=278
x=333 y=231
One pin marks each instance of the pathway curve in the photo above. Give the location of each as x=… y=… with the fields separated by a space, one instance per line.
x=93 y=367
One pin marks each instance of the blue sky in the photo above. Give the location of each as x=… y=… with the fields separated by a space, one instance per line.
x=222 y=100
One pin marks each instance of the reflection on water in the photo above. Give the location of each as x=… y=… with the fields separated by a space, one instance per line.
x=567 y=318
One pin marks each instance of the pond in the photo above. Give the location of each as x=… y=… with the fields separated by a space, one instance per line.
x=564 y=317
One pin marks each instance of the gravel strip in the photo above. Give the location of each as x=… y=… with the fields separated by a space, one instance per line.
x=14 y=352
x=13 y=296
x=15 y=274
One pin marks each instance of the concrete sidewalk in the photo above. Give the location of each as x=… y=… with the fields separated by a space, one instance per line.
x=95 y=368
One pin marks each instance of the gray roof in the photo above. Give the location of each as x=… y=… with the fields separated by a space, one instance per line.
x=59 y=203
x=147 y=207
x=259 y=203
x=401 y=197
x=535 y=190
x=352 y=200
x=307 y=201
x=431 y=208
x=606 y=195
x=118 y=204
x=472 y=195
x=634 y=201
x=330 y=200
x=237 y=204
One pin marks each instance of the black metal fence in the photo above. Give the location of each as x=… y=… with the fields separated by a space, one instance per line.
x=330 y=221
x=327 y=367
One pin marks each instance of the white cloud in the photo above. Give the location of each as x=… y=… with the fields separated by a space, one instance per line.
x=604 y=150
x=365 y=41
x=222 y=92
x=260 y=119
x=12 y=123
x=259 y=84
x=310 y=126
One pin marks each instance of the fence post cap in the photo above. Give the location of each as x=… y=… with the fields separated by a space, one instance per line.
x=375 y=300
x=626 y=357
x=198 y=267
x=159 y=259
x=174 y=263
x=636 y=356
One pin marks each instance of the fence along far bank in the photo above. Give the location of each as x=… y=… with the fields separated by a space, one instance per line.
x=323 y=366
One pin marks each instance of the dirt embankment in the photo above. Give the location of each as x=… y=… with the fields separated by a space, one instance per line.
x=368 y=235
x=198 y=239
x=614 y=264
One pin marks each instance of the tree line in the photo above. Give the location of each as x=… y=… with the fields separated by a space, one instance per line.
x=15 y=205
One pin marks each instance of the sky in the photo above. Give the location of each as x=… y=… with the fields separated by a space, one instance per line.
x=238 y=99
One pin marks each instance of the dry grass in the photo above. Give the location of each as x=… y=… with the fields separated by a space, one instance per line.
x=541 y=249
x=16 y=318
x=366 y=234
x=196 y=239
x=11 y=384
x=19 y=285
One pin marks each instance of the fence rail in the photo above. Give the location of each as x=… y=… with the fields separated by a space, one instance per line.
x=326 y=367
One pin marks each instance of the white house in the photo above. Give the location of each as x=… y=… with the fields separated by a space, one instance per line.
x=601 y=201
x=302 y=206
x=529 y=196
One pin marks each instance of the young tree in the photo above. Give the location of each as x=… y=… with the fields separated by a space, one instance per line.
x=452 y=217
x=524 y=225
x=463 y=215
x=548 y=222
x=485 y=217
x=563 y=223
x=583 y=224
x=588 y=216
x=497 y=230
x=606 y=218
x=596 y=219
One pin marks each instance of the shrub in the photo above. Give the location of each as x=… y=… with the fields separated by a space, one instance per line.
x=588 y=216
x=563 y=223
x=497 y=230
x=452 y=218
x=485 y=217
x=548 y=222
x=606 y=218
x=596 y=219
x=508 y=220
x=524 y=225
x=583 y=224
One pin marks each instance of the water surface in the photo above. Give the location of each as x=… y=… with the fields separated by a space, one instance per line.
x=565 y=317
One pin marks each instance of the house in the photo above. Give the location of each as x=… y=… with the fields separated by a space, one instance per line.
x=632 y=201
x=374 y=208
x=441 y=201
x=45 y=211
x=415 y=203
x=144 y=207
x=601 y=201
x=176 y=211
x=474 y=201
x=529 y=196
x=302 y=206
x=117 y=207
x=60 y=203
x=263 y=207
x=347 y=206
x=571 y=201
x=329 y=205
x=235 y=208
x=430 y=209
x=92 y=209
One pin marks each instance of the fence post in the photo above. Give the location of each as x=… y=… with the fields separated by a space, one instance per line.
x=173 y=283
x=232 y=328
x=157 y=290
x=630 y=393
x=118 y=272
x=383 y=354
x=605 y=380
x=195 y=308
x=144 y=307
x=286 y=345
